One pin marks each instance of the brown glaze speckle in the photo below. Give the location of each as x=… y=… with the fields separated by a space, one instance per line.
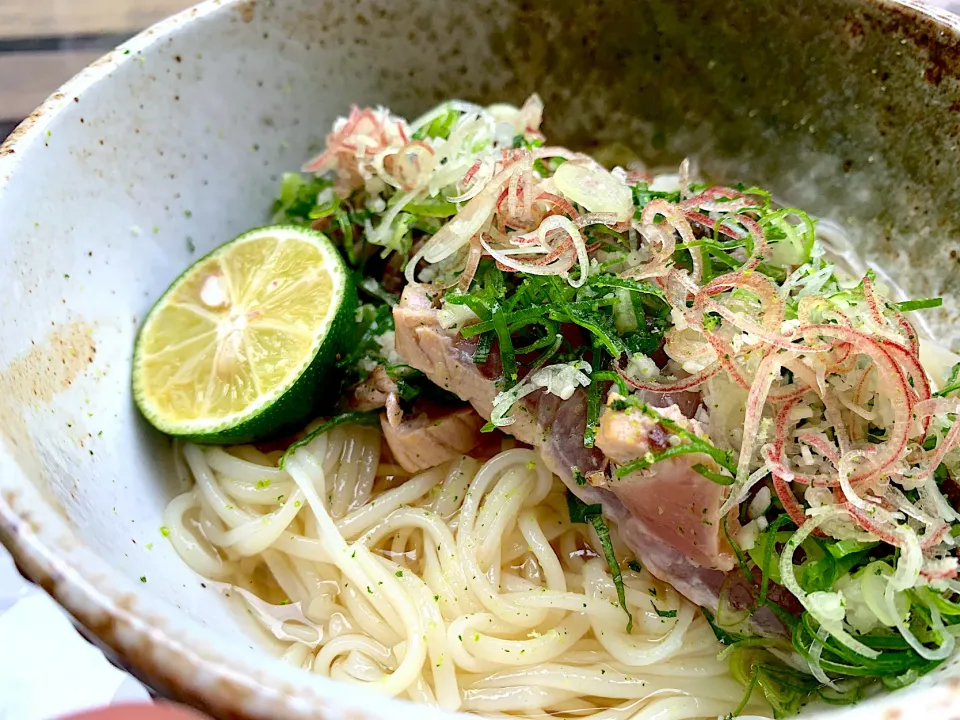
x=48 y=369
x=246 y=9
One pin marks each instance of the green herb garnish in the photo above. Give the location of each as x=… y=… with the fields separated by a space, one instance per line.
x=297 y=200
x=919 y=304
x=693 y=444
x=439 y=127
x=953 y=383
x=664 y=613
x=580 y=512
x=593 y=411
x=347 y=418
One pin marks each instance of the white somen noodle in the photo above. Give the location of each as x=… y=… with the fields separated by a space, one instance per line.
x=465 y=586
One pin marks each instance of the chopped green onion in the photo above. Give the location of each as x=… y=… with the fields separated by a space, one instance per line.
x=610 y=376
x=769 y=562
x=435 y=208
x=748 y=692
x=297 y=199
x=842 y=548
x=779 y=218
x=718 y=478
x=642 y=196
x=919 y=304
x=439 y=127
x=953 y=383
x=937 y=600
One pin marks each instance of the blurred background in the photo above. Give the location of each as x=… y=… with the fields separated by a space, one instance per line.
x=45 y=42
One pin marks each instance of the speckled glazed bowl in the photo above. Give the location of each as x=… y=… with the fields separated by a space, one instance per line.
x=174 y=142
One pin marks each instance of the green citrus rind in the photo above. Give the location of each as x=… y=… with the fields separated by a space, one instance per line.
x=287 y=405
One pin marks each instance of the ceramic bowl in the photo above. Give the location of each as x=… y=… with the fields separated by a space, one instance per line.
x=174 y=143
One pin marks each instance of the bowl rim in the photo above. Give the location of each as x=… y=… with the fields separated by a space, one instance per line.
x=31 y=127
x=147 y=637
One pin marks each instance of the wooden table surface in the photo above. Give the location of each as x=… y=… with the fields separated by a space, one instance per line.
x=45 y=42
